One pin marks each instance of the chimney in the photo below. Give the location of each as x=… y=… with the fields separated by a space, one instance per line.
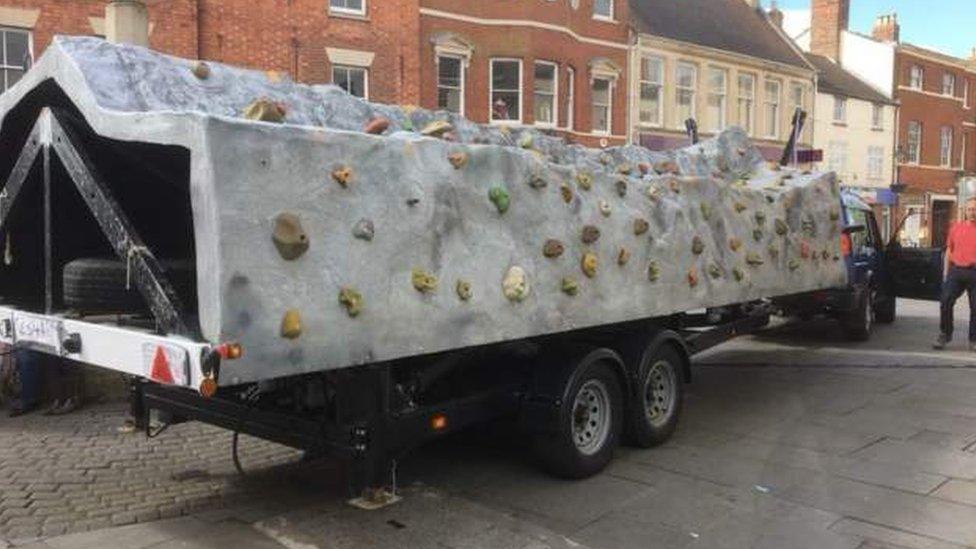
x=886 y=28
x=828 y=19
x=127 y=22
x=775 y=15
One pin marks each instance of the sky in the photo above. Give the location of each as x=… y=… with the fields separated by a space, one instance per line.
x=944 y=25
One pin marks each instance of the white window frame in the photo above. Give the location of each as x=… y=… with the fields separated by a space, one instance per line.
x=876 y=162
x=680 y=124
x=840 y=110
x=348 y=11
x=724 y=95
x=837 y=157
x=945 y=146
x=749 y=125
x=491 y=90
x=353 y=68
x=913 y=155
x=948 y=80
x=609 y=106
x=462 y=63
x=916 y=71
x=777 y=117
x=660 y=92
x=554 y=123
x=602 y=17
x=3 y=60
x=570 y=98
x=877 y=116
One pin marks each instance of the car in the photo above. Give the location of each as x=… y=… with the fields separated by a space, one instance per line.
x=878 y=273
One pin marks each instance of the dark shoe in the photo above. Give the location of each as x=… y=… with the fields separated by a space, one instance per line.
x=69 y=405
x=940 y=342
x=19 y=409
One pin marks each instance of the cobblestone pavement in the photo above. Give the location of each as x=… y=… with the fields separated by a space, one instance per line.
x=77 y=472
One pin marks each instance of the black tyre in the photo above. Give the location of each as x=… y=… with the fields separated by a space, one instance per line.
x=590 y=424
x=885 y=310
x=657 y=398
x=857 y=324
x=98 y=285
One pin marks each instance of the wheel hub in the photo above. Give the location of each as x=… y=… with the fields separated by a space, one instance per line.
x=591 y=416
x=659 y=393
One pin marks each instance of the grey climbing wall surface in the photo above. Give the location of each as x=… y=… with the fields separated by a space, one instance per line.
x=350 y=232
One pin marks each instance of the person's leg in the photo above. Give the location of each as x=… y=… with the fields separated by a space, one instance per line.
x=28 y=369
x=952 y=288
x=971 y=293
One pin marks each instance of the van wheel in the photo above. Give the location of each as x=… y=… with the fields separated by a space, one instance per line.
x=590 y=424
x=657 y=398
x=885 y=310
x=858 y=323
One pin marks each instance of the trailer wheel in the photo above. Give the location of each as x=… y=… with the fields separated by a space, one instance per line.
x=590 y=424
x=98 y=285
x=657 y=398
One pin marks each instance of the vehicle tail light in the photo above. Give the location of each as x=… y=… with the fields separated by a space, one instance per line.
x=230 y=351
x=438 y=422
x=845 y=244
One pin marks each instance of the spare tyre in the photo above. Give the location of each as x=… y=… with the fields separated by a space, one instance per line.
x=98 y=285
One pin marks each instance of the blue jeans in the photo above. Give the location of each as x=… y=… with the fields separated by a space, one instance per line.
x=29 y=369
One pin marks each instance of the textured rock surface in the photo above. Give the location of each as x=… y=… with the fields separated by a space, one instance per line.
x=431 y=215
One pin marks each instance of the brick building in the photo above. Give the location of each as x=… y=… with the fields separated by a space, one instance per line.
x=555 y=65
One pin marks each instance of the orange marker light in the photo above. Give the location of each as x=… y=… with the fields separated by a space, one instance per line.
x=438 y=422
x=230 y=351
x=208 y=387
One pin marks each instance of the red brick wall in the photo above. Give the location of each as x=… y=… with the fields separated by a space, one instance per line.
x=829 y=17
x=530 y=44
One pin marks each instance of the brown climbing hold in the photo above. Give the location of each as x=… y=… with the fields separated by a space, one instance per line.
x=291 y=324
x=714 y=271
x=697 y=245
x=342 y=175
x=825 y=255
x=605 y=208
x=623 y=256
x=674 y=185
x=590 y=234
x=351 y=300
x=553 y=248
x=753 y=259
x=289 y=236
x=625 y=169
x=201 y=70
x=538 y=181
x=692 y=277
x=641 y=226
x=377 y=125
x=760 y=218
x=437 y=128
x=739 y=207
x=589 y=264
x=569 y=285
x=735 y=244
x=566 y=193
x=781 y=227
x=644 y=168
x=666 y=167
x=423 y=281
x=653 y=271
x=584 y=180
x=458 y=159
x=515 y=285
x=621 y=186
x=463 y=289
x=265 y=110
x=757 y=235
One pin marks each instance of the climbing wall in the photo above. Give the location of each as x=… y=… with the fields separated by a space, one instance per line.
x=332 y=232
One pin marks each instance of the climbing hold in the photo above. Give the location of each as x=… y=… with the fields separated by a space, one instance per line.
x=666 y=167
x=201 y=70
x=804 y=250
x=289 y=236
x=773 y=252
x=697 y=245
x=537 y=181
x=621 y=186
x=351 y=300
x=291 y=324
x=423 y=281
x=809 y=227
x=752 y=258
x=363 y=229
x=604 y=208
x=653 y=271
x=515 y=285
x=757 y=235
x=625 y=169
x=526 y=141
x=500 y=198
x=674 y=185
x=458 y=159
x=714 y=271
x=623 y=256
x=781 y=227
x=437 y=128
x=589 y=264
x=265 y=110
x=463 y=289
x=760 y=218
x=706 y=211
x=342 y=175
x=590 y=234
x=825 y=255
x=654 y=193
x=566 y=193
x=553 y=248
x=605 y=159
x=738 y=274
x=644 y=168
x=449 y=136
x=584 y=180
x=735 y=244
x=692 y=277
x=641 y=226
x=739 y=207
x=569 y=285
x=413 y=201
x=793 y=264
x=376 y=125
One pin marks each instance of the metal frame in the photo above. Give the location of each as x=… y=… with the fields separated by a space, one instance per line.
x=50 y=134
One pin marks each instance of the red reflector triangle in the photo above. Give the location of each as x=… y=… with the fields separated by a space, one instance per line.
x=160 y=368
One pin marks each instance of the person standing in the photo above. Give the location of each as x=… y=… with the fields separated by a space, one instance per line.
x=29 y=371
x=959 y=276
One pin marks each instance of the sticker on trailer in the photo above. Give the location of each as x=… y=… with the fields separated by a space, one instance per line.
x=166 y=364
x=37 y=331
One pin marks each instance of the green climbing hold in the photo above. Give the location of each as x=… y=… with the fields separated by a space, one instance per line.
x=351 y=300
x=781 y=227
x=794 y=264
x=706 y=211
x=738 y=274
x=584 y=180
x=569 y=285
x=653 y=271
x=500 y=198
x=714 y=271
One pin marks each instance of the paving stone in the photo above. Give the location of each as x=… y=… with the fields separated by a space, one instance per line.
x=877 y=535
x=962 y=491
x=952 y=463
